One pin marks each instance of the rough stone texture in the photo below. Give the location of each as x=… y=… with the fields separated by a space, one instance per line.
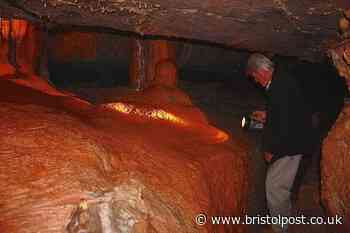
x=146 y=54
x=335 y=185
x=339 y=51
x=67 y=166
x=294 y=28
x=69 y=44
x=27 y=52
x=72 y=46
x=29 y=61
x=118 y=49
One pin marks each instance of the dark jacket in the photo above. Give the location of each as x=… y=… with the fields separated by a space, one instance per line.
x=324 y=90
x=288 y=129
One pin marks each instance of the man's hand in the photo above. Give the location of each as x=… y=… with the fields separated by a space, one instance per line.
x=259 y=116
x=268 y=157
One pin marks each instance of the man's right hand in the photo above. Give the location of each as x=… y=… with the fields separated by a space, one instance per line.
x=259 y=116
x=268 y=157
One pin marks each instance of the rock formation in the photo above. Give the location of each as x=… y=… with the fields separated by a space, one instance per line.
x=70 y=166
x=293 y=28
x=335 y=161
x=67 y=166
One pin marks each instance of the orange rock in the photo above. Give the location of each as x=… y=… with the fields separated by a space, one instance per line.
x=18 y=29
x=143 y=63
x=335 y=189
x=5 y=28
x=28 y=46
x=74 y=45
x=68 y=165
x=347 y=13
x=344 y=24
x=163 y=95
x=166 y=74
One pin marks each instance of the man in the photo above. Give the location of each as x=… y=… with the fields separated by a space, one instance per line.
x=288 y=132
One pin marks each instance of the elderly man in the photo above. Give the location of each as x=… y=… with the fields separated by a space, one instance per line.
x=288 y=132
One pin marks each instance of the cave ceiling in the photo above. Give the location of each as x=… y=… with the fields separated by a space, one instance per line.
x=291 y=28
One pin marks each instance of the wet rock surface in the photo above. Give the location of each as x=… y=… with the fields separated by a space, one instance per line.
x=68 y=166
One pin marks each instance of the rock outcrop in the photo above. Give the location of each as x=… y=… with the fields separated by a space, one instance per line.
x=292 y=28
x=335 y=185
x=68 y=166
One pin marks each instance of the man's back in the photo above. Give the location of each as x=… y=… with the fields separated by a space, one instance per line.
x=324 y=90
x=288 y=127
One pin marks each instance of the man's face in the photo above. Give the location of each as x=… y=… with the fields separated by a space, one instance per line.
x=262 y=76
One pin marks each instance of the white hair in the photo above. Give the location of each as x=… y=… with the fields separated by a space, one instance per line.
x=258 y=61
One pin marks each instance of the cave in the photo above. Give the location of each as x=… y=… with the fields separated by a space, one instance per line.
x=125 y=116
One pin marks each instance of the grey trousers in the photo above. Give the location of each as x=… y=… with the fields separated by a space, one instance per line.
x=279 y=181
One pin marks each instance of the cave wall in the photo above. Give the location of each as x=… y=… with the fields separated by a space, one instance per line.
x=335 y=164
x=293 y=28
x=88 y=48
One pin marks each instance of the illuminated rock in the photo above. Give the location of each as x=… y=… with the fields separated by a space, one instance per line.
x=146 y=55
x=5 y=28
x=166 y=73
x=163 y=89
x=27 y=43
x=335 y=173
x=13 y=28
x=67 y=166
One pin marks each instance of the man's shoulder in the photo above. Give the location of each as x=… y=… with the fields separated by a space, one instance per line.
x=283 y=84
x=284 y=77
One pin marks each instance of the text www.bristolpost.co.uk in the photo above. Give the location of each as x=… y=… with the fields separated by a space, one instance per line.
x=202 y=219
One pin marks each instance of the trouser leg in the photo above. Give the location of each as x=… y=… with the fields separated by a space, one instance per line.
x=279 y=181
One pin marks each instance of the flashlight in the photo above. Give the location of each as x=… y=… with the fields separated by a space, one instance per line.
x=251 y=124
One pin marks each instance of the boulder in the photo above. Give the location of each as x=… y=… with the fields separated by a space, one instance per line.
x=335 y=185
x=69 y=166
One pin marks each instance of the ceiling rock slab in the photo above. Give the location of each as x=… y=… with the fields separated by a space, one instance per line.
x=292 y=28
